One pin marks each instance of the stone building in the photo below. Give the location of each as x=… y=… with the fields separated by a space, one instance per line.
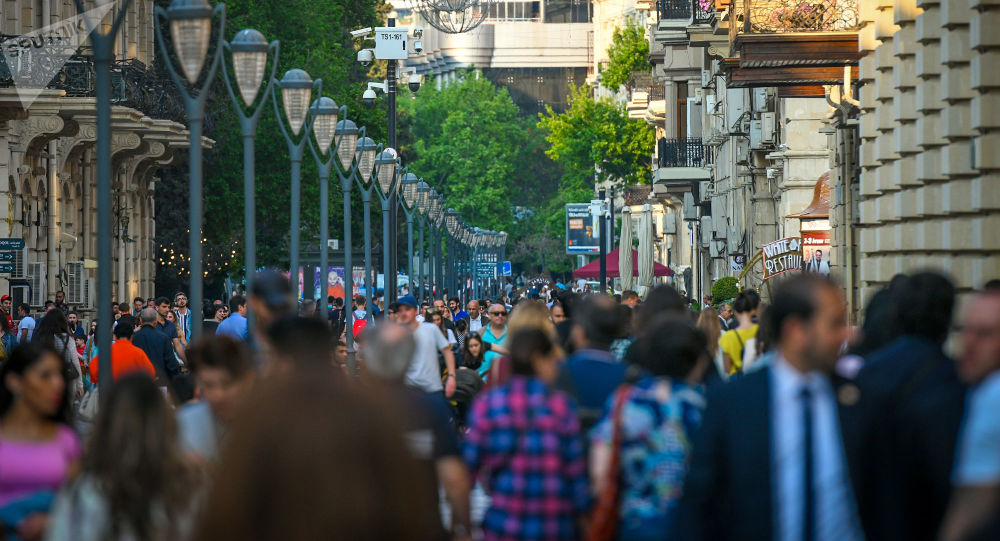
x=917 y=159
x=48 y=158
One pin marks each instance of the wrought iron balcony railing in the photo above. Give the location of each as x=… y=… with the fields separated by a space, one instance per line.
x=702 y=11
x=786 y=16
x=673 y=9
x=680 y=153
x=133 y=84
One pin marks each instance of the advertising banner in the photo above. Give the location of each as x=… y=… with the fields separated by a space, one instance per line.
x=581 y=237
x=816 y=252
x=782 y=256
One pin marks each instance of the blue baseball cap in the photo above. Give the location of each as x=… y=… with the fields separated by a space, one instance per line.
x=408 y=300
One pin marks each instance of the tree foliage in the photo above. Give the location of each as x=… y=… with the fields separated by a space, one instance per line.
x=628 y=52
x=724 y=289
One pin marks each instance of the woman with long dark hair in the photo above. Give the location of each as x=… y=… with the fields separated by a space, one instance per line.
x=38 y=449
x=134 y=483
x=53 y=332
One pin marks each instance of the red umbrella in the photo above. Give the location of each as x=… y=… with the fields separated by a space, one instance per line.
x=593 y=269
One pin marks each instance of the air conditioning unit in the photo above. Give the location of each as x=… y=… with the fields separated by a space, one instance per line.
x=762 y=132
x=706 y=231
x=36 y=279
x=706 y=78
x=690 y=210
x=763 y=99
x=19 y=293
x=20 y=269
x=76 y=283
x=669 y=223
x=742 y=151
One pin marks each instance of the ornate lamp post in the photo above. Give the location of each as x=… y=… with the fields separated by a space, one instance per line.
x=451 y=225
x=103 y=44
x=437 y=216
x=296 y=90
x=423 y=206
x=249 y=50
x=324 y=112
x=347 y=147
x=386 y=164
x=367 y=150
x=408 y=185
x=190 y=30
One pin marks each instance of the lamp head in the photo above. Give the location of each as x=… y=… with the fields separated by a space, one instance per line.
x=408 y=184
x=296 y=89
x=190 y=29
x=249 y=59
x=347 y=142
x=324 y=111
x=366 y=159
x=385 y=171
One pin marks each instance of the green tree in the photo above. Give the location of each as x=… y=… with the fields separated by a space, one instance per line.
x=628 y=52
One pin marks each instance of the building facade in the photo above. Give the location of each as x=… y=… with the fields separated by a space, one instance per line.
x=534 y=49
x=48 y=157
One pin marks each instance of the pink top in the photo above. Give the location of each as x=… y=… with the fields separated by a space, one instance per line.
x=27 y=467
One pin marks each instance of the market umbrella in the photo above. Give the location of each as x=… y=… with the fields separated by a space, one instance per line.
x=646 y=249
x=593 y=269
x=625 y=250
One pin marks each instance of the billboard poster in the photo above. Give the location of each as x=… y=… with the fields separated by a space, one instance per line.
x=816 y=252
x=336 y=282
x=581 y=237
x=782 y=256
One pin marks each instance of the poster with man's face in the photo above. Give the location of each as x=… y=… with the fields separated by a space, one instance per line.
x=816 y=252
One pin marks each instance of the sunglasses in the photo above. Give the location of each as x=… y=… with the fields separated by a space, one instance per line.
x=498 y=313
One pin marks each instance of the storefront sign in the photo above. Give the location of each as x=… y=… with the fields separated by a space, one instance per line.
x=816 y=252
x=782 y=256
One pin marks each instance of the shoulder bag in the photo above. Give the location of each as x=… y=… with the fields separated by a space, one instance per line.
x=606 y=516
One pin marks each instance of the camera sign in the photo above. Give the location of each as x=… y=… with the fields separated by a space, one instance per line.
x=390 y=42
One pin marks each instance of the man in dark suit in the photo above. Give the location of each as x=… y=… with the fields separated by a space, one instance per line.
x=158 y=348
x=725 y=312
x=769 y=463
x=909 y=416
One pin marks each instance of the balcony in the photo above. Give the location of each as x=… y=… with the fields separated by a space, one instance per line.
x=680 y=152
x=673 y=9
x=796 y=45
x=702 y=11
x=787 y=16
x=133 y=84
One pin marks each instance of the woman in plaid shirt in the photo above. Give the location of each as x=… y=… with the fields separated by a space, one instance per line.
x=524 y=441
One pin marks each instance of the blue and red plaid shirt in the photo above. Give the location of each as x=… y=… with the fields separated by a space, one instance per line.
x=524 y=438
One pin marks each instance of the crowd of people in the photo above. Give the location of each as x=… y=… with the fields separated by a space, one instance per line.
x=576 y=415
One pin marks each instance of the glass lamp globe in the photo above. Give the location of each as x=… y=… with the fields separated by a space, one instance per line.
x=324 y=112
x=249 y=59
x=296 y=90
x=347 y=142
x=190 y=29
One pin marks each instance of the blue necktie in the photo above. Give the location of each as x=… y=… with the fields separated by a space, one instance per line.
x=809 y=500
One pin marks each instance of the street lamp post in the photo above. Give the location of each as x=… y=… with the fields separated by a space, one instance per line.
x=408 y=185
x=296 y=90
x=103 y=45
x=385 y=171
x=423 y=205
x=249 y=50
x=324 y=113
x=451 y=225
x=367 y=149
x=190 y=31
x=347 y=148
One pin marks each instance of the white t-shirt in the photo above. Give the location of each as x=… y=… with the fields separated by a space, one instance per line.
x=424 y=372
x=27 y=322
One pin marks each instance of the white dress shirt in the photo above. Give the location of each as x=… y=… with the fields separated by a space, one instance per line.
x=836 y=511
x=475 y=323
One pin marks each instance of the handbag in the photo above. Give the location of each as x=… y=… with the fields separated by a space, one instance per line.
x=89 y=405
x=606 y=516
